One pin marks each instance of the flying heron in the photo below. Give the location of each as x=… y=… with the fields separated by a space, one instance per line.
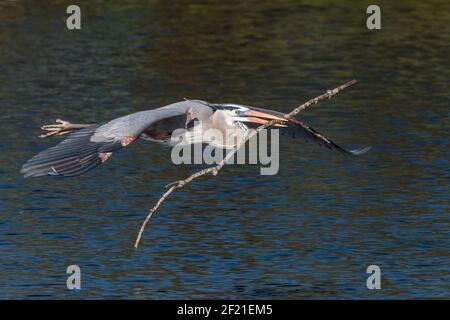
x=89 y=145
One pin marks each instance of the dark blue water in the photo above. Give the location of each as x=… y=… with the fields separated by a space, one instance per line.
x=308 y=232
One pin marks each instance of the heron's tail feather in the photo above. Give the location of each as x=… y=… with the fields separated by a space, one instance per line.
x=72 y=156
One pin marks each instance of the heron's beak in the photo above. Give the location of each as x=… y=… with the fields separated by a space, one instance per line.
x=261 y=117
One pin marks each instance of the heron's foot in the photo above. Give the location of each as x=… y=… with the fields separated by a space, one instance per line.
x=60 y=128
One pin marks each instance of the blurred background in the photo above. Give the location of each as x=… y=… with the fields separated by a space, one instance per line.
x=308 y=232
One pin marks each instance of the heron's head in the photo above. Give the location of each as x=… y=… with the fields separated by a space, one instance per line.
x=238 y=113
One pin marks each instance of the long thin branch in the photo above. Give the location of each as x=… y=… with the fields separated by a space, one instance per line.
x=171 y=187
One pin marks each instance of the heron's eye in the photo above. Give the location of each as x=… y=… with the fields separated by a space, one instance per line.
x=236 y=111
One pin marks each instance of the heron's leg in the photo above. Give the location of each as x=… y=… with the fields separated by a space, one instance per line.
x=61 y=127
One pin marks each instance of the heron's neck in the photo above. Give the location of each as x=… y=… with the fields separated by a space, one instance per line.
x=245 y=131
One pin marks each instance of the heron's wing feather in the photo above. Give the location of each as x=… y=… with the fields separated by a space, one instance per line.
x=296 y=127
x=85 y=149
x=73 y=156
x=161 y=120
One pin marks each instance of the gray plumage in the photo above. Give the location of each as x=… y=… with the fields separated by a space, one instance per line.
x=134 y=124
x=87 y=146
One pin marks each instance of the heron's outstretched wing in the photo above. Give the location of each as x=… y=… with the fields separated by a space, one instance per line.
x=85 y=149
x=73 y=156
x=295 y=128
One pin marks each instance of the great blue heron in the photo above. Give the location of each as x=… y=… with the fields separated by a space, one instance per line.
x=89 y=145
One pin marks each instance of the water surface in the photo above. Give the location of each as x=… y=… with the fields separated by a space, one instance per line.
x=308 y=232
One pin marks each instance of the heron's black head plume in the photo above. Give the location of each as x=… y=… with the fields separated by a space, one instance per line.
x=221 y=106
